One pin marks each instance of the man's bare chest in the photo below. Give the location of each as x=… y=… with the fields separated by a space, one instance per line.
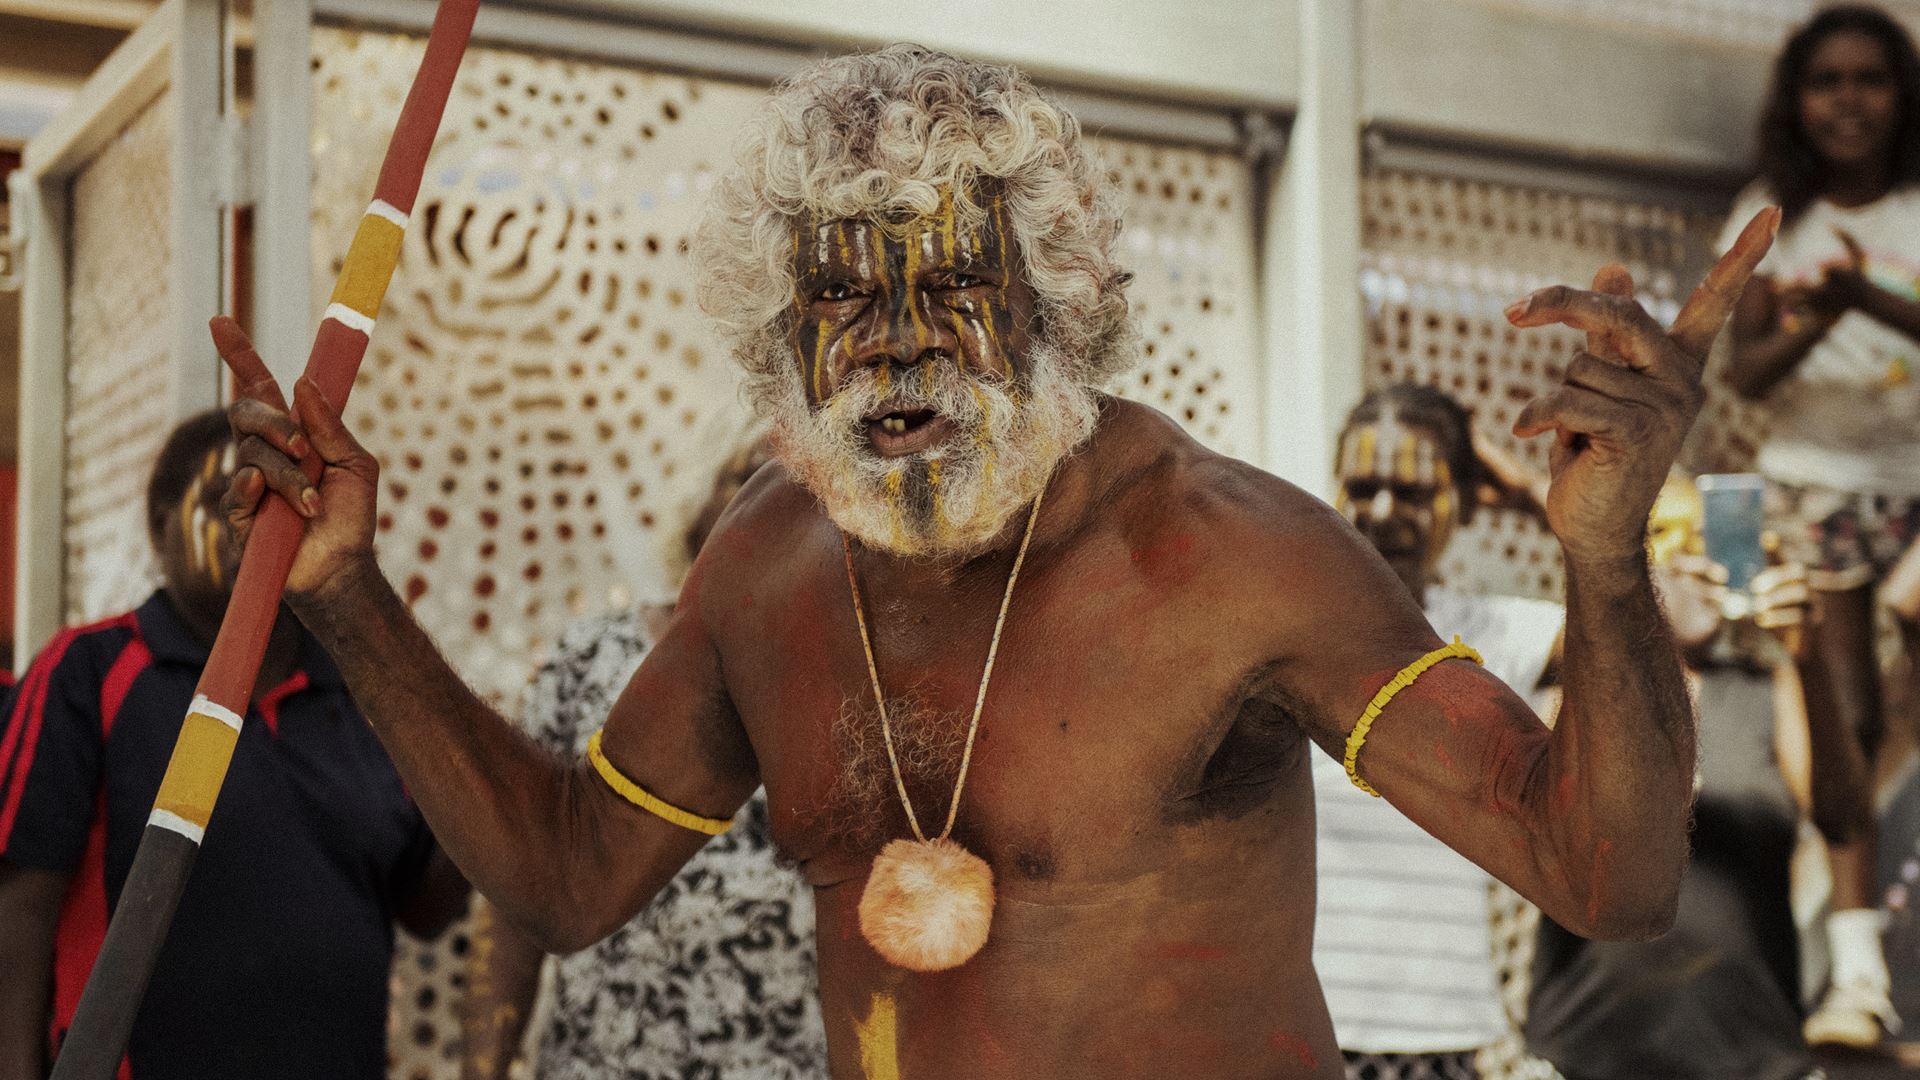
x=1110 y=703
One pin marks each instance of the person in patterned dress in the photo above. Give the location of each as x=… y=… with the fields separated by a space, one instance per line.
x=716 y=978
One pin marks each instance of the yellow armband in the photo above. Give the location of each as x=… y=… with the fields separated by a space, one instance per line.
x=1394 y=685
x=641 y=798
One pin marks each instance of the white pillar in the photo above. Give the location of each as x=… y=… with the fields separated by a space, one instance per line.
x=39 y=218
x=1315 y=323
x=197 y=233
x=283 y=324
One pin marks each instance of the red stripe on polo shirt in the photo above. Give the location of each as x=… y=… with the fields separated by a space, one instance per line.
x=25 y=725
x=269 y=703
x=133 y=660
x=82 y=926
x=30 y=709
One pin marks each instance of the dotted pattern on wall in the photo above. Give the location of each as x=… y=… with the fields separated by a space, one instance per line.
x=1189 y=243
x=1442 y=257
x=119 y=374
x=547 y=403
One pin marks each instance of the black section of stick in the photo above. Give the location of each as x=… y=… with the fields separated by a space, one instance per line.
x=104 y=1018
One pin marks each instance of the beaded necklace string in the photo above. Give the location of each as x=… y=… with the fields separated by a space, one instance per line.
x=979 y=701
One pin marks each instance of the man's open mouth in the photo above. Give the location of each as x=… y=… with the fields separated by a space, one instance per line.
x=898 y=432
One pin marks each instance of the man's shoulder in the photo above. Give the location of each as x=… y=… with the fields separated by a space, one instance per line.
x=1166 y=478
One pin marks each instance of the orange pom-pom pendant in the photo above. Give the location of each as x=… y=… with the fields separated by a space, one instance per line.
x=928 y=904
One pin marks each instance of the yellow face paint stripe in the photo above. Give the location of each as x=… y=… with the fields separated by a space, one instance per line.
x=879 y=1035
x=820 y=362
x=199 y=763
x=1404 y=452
x=908 y=288
x=1365 y=443
x=894 y=482
x=214 y=572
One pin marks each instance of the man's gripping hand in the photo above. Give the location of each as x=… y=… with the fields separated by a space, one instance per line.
x=273 y=445
x=1628 y=399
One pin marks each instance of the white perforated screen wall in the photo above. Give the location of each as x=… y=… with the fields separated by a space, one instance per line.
x=119 y=369
x=1441 y=257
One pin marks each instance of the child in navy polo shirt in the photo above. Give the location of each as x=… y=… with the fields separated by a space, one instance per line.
x=277 y=961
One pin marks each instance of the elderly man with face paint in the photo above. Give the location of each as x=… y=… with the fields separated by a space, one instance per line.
x=1402 y=934
x=1031 y=678
x=278 y=961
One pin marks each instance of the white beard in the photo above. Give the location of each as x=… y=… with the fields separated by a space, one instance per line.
x=949 y=501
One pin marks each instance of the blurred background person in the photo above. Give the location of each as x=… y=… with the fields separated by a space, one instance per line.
x=276 y=964
x=1401 y=931
x=716 y=978
x=1718 y=996
x=1827 y=333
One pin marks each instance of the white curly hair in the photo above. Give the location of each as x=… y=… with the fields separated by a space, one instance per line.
x=882 y=136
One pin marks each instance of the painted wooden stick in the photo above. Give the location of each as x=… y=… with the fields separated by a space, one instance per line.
x=104 y=1017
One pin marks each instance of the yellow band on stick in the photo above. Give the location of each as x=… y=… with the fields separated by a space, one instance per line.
x=641 y=798
x=1408 y=674
x=369 y=266
x=198 y=765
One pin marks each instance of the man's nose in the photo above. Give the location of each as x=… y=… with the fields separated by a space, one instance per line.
x=907 y=333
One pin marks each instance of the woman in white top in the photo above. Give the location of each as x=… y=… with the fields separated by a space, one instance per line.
x=1828 y=333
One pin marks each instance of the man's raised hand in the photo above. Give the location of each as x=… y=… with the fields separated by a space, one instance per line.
x=1629 y=398
x=273 y=445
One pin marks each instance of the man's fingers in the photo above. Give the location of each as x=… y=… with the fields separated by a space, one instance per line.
x=1622 y=325
x=1577 y=410
x=1609 y=378
x=262 y=420
x=1613 y=280
x=1707 y=309
x=328 y=433
x=279 y=472
x=251 y=377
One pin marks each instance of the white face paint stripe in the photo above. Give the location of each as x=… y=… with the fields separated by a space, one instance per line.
x=175 y=823
x=206 y=706
x=349 y=318
x=382 y=208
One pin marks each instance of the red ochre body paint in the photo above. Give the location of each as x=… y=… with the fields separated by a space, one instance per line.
x=1288 y=1043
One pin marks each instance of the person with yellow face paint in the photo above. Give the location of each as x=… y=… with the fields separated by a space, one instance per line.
x=278 y=960
x=1401 y=928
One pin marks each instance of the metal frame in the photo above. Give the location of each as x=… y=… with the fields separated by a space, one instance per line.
x=179 y=47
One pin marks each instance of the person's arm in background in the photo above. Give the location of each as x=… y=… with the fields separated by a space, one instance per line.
x=503 y=980
x=1845 y=286
x=1772 y=330
x=30 y=901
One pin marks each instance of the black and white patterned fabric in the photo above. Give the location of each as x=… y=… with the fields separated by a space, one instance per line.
x=717 y=978
x=1450 y=1066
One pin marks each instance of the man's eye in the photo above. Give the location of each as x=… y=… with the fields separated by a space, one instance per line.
x=1361 y=490
x=962 y=280
x=838 y=290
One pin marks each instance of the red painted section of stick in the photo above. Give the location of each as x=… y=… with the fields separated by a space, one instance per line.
x=333 y=363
